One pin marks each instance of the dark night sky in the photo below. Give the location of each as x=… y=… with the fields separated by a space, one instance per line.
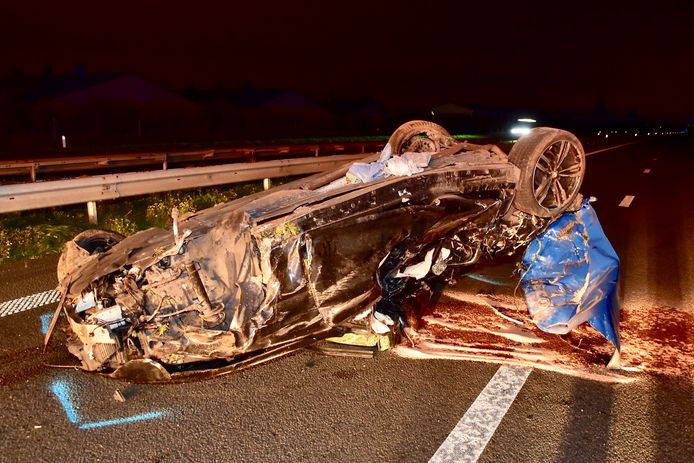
x=547 y=55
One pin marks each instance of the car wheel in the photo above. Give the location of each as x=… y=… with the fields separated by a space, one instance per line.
x=552 y=165
x=420 y=136
x=87 y=243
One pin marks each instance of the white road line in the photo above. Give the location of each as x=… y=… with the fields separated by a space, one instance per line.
x=613 y=147
x=29 y=302
x=626 y=202
x=646 y=171
x=474 y=430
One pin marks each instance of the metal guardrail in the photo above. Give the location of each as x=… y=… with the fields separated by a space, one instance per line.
x=42 y=194
x=62 y=165
x=27 y=196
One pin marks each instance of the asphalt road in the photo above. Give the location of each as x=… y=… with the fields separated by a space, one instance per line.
x=308 y=407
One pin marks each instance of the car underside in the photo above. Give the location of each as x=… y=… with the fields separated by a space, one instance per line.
x=358 y=250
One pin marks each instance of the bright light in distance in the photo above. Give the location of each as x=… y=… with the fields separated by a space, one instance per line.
x=520 y=130
x=527 y=119
x=607 y=135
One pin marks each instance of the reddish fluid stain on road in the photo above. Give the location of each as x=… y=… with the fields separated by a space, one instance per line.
x=496 y=328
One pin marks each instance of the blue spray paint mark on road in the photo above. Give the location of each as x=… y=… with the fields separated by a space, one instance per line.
x=61 y=390
x=130 y=419
x=45 y=321
x=62 y=393
x=484 y=279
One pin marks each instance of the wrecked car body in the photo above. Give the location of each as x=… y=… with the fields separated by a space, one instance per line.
x=356 y=250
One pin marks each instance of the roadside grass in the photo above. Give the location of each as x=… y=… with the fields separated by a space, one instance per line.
x=34 y=234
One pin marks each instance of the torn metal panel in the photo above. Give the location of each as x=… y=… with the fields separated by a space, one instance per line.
x=250 y=279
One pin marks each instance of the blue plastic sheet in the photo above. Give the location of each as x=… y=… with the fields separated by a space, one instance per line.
x=572 y=275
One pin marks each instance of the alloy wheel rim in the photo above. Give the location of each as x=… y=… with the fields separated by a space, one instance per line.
x=557 y=175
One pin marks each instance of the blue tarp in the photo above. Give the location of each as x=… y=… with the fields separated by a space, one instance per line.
x=572 y=275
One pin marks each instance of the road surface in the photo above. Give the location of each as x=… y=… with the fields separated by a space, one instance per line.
x=308 y=407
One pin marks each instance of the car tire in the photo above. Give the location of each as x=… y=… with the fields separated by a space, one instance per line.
x=552 y=166
x=85 y=244
x=420 y=136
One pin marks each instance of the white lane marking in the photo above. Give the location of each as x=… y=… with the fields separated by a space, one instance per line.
x=474 y=430
x=626 y=202
x=29 y=302
x=646 y=171
x=613 y=148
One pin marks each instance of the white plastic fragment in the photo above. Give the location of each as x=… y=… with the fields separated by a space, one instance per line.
x=616 y=361
x=386 y=153
x=383 y=318
x=379 y=327
x=109 y=315
x=362 y=315
x=420 y=270
x=340 y=182
x=87 y=302
x=174 y=217
x=407 y=164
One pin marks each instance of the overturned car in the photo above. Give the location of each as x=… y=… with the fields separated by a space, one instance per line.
x=345 y=251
